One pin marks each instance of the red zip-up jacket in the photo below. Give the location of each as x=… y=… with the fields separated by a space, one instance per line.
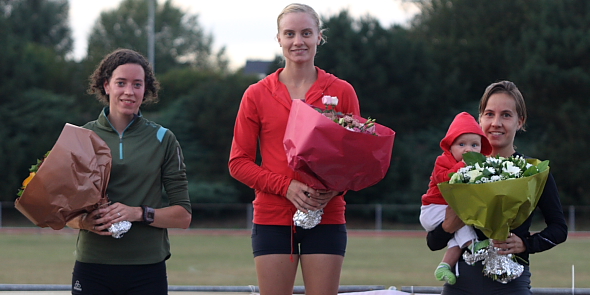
x=262 y=120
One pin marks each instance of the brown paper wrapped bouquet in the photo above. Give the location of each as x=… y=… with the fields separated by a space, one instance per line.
x=72 y=179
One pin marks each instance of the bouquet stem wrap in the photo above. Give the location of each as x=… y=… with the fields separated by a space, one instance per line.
x=501 y=268
x=308 y=220
x=72 y=180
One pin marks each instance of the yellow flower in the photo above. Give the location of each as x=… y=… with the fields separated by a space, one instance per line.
x=32 y=172
x=26 y=181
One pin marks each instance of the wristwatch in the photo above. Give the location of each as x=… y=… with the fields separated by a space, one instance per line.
x=148 y=214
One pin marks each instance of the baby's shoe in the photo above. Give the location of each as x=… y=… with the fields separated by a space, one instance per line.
x=444 y=273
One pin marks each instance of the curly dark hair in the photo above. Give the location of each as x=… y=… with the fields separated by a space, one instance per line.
x=105 y=69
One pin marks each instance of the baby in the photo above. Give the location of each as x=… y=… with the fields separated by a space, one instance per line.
x=464 y=135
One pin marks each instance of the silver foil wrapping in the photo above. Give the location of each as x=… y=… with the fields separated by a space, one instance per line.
x=118 y=229
x=502 y=268
x=308 y=220
x=472 y=258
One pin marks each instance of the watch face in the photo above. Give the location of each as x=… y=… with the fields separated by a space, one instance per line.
x=148 y=214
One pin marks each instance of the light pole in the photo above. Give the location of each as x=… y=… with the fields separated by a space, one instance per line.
x=151 y=37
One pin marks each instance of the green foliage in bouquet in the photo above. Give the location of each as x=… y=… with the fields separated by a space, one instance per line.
x=482 y=169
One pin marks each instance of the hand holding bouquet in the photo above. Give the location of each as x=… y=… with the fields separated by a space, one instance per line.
x=495 y=195
x=336 y=151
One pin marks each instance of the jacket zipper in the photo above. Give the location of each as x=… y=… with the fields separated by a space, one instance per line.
x=120 y=137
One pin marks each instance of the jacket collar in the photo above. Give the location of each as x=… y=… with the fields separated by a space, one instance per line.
x=103 y=120
x=316 y=92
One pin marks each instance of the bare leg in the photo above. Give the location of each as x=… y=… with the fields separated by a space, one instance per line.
x=452 y=256
x=321 y=273
x=276 y=273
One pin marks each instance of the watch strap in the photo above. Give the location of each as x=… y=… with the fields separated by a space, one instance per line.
x=148 y=214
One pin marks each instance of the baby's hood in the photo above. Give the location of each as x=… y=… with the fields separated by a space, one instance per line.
x=462 y=124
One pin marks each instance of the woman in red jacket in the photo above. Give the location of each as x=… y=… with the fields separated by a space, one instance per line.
x=278 y=245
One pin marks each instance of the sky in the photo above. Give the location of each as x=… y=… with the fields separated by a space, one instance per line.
x=247 y=29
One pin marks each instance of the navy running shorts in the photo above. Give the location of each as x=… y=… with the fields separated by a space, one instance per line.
x=105 y=279
x=280 y=239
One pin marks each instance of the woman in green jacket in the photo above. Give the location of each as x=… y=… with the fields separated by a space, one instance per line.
x=146 y=157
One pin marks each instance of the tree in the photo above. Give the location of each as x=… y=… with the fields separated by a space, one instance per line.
x=35 y=83
x=202 y=118
x=551 y=64
x=44 y=22
x=179 y=39
x=470 y=40
x=30 y=125
x=35 y=40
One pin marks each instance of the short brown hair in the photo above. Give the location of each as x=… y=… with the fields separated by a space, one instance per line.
x=510 y=89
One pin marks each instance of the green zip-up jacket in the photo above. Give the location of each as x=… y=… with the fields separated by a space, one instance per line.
x=145 y=158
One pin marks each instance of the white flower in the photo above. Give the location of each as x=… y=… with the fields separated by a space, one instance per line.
x=456 y=178
x=330 y=100
x=473 y=174
x=465 y=169
x=495 y=178
x=521 y=162
x=477 y=167
x=511 y=169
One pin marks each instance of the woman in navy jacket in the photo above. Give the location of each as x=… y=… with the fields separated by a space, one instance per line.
x=502 y=112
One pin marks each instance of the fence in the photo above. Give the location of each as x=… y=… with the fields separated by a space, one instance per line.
x=209 y=289
x=296 y=289
x=359 y=216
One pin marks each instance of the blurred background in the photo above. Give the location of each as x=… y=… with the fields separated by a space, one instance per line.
x=414 y=65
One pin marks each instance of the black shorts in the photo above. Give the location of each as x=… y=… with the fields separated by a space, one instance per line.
x=280 y=239
x=105 y=279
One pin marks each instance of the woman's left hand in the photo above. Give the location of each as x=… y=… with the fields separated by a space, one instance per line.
x=512 y=245
x=117 y=212
x=325 y=196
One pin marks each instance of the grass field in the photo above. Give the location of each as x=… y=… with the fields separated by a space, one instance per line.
x=224 y=258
